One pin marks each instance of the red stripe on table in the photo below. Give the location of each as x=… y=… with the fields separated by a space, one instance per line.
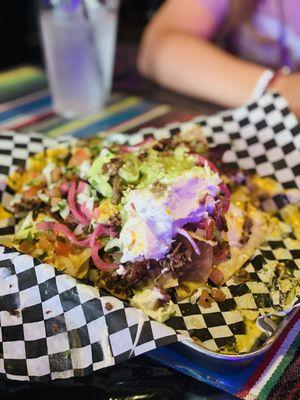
x=294 y=393
x=267 y=359
x=36 y=118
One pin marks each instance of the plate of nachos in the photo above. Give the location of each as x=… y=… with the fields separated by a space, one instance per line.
x=158 y=223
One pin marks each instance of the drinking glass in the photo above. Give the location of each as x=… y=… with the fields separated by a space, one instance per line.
x=79 y=45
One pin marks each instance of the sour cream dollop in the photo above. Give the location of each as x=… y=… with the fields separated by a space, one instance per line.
x=152 y=219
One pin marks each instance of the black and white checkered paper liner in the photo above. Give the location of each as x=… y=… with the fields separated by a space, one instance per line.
x=52 y=326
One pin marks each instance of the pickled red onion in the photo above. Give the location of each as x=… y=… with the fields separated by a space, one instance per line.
x=61 y=228
x=82 y=208
x=101 y=230
x=64 y=187
x=203 y=160
x=99 y=263
x=72 y=204
x=81 y=186
x=189 y=238
x=85 y=211
x=88 y=242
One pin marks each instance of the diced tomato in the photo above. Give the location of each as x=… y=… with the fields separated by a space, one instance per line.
x=81 y=154
x=31 y=192
x=62 y=248
x=209 y=229
x=26 y=246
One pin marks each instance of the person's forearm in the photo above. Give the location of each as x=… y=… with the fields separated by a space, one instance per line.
x=195 y=67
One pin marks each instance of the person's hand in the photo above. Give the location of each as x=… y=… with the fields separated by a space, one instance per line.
x=289 y=87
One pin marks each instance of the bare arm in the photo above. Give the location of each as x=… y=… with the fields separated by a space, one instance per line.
x=176 y=53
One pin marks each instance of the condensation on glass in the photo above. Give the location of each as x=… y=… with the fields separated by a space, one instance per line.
x=79 y=45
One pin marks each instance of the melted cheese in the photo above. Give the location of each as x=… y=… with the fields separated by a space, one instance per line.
x=259 y=232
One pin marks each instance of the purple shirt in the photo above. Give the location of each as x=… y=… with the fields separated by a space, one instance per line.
x=278 y=20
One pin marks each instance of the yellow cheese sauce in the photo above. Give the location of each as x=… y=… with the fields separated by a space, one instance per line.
x=291 y=214
x=249 y=341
